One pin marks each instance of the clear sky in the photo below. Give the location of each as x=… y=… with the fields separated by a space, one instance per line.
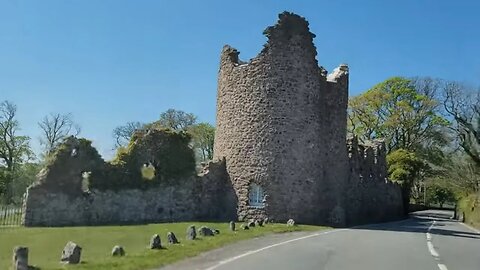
x=110 y=62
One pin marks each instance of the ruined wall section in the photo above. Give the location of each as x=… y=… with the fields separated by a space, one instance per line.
x=130 y=206
x=268 y=125
x=334 y=121
x=57 y=198
x=64 y=168
x=215 y=197
x=371 y=197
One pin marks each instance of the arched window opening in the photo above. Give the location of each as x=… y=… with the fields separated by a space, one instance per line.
x=256 y=196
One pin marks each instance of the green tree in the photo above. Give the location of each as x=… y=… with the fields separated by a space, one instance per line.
x=460 y=173
x=440 y=194
x=405 y=168
x=403 y=111
x=203 y=135
x=176 y=120
x=14 y=148
x=24 y=177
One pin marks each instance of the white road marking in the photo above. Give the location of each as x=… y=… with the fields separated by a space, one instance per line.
x=268 y=247
x=431 y=226
x=248 y=253
x=442 y=266
x=470 y=228
x=429 y=241
x=432 y=249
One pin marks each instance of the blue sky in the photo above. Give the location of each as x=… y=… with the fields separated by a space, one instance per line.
x=110 y=62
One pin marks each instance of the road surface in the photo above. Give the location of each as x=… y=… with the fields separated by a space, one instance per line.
x=427 y=241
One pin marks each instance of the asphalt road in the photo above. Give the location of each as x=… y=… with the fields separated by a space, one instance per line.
x=427 y=241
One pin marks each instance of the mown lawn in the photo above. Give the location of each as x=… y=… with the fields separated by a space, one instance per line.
x=46 y=244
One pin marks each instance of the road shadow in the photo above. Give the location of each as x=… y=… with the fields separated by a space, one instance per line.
x=419 y=222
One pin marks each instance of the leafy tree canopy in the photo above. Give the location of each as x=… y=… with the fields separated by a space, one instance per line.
x=14 y=148
x=402 y=111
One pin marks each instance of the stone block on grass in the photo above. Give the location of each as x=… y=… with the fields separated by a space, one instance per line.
x=205 y=231
x=155 y=242
x=291 y=222
x=171 y=238
x=71 y=253
x=191 y=233
x=20 y=258
x=118 y=251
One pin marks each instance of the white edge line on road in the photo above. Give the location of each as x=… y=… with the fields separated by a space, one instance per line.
x=470 y=228
x=268 y=247
x=220 y=263
x=442 y=266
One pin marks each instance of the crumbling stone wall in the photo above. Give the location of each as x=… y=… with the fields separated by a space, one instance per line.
x=63 y=170
x=214 y=193
x=281 y=124
x=58 y=199
x=371 y=196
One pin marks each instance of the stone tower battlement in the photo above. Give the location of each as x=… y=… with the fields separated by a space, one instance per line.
x=368 y=160
x=281 y=127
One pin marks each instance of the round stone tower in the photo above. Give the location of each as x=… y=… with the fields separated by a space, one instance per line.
x=274 y=130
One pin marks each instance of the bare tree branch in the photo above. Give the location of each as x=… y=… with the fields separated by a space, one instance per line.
x=123 y=134
x=56 y=127
x=463 y=105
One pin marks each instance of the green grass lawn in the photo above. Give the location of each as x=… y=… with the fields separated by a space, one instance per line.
x=46 y=244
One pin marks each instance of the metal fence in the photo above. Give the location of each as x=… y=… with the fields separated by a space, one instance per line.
x=10 y=215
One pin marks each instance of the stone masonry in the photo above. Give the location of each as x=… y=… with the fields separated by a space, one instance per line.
x=281 y=125
x=57 y=198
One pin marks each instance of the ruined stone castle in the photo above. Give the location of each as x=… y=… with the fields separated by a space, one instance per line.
x=281 y=126
x=280 y=152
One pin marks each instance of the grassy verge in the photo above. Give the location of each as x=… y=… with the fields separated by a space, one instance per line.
x=470 y=205
x=46 y=244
